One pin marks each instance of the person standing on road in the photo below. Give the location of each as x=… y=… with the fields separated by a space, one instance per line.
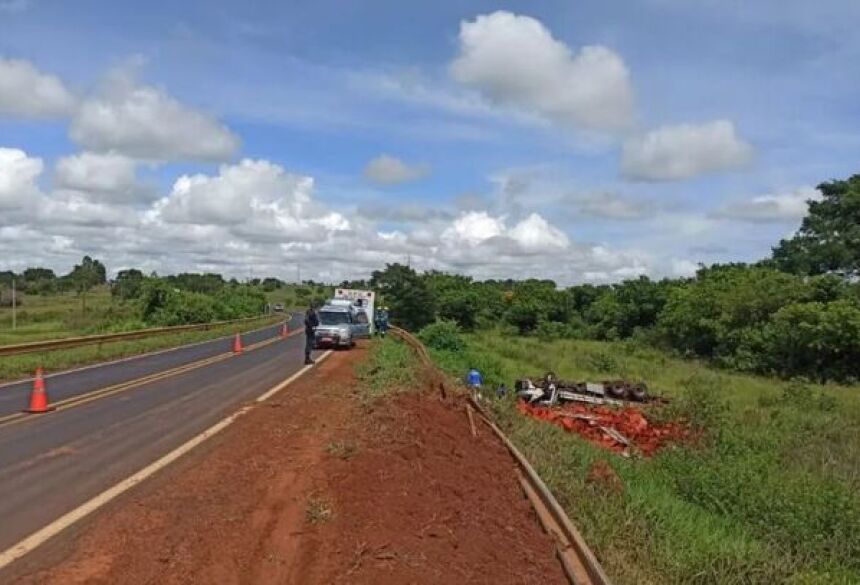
x=382 y=321
x=311 y=323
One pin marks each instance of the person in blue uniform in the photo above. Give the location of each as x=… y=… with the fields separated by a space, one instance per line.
x=475 y=381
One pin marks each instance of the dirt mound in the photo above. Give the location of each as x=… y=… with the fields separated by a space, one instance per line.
x=615 y=429
x=311 y=488
x=426 y=502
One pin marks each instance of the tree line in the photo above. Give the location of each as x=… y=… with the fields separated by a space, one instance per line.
x=796 y=313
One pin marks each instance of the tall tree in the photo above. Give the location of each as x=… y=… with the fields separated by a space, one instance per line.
x=128 y=284
x=85 y=276
x=829 y=237
x=406 y=294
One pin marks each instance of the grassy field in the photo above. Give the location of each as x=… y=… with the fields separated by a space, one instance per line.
x=770 y=494
x=60 y=315
x=56 y=316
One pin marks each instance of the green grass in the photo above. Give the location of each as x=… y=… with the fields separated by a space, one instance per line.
x=769 y=495
x=60 y=315
x=20 y=366
x=391 y=367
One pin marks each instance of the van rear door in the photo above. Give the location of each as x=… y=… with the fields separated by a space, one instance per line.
x=360 y=324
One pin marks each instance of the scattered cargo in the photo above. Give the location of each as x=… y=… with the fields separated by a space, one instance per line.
x=622 y=430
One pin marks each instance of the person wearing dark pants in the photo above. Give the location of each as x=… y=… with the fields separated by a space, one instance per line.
x=311 y=323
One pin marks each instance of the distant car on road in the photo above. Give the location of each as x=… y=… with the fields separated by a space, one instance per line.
x=278 y=308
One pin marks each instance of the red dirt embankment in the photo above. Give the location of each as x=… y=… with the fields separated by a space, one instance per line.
x=312 y=488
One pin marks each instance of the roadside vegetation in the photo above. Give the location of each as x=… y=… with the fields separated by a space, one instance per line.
x=390 y=367
x=767 y=494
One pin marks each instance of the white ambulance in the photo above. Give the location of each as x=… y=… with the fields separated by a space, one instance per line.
x=361 y=303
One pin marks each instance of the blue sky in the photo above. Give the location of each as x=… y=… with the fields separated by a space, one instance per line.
x=580 y=141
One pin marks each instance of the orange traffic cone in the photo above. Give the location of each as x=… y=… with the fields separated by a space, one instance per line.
x=285 y=330
x=237 y=344
x=39 y=397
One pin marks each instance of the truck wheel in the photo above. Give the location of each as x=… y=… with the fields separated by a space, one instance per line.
x=618 y=390
x=639 y=392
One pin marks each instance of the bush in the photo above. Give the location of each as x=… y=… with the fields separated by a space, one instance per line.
x=443 y=335
x=238 y=302
x=552 y=330
x=712 y=315
x=813 y=339
x=702 y=403
x=164 y=305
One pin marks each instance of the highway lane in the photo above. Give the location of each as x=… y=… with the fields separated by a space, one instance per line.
x=63 y=385
x=52 y=463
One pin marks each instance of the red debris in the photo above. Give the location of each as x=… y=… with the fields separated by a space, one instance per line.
x=586 y=421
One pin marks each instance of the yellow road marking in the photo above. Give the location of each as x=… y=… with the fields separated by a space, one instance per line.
x=129 y=358
x=130 y=384
x=45 y=533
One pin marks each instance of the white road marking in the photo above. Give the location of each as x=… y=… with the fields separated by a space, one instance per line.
x=44 y=534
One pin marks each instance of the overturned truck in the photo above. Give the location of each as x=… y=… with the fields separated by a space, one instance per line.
x=549 y=390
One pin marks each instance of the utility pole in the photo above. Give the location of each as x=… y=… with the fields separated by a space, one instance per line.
x=299 y=273
x=14 y=307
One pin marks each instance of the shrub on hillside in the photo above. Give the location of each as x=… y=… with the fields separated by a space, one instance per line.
x=443 y=335
x=162 y=304
x=238 y=302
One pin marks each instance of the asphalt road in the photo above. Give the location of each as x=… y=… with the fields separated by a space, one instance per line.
x=15 y=397
x=52 y=463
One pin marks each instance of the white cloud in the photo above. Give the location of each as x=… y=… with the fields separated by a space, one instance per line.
x=514 y=61
x=609 y=205
x=682 y=268
x=535 y=234
x=109 y=177
x=26 y=92
x=256 y=216
x=777 y=207
x=671 y=153
x=236 y=193
x=388 y=170
x=473 y=228
x=145 y=122
x=18 y=176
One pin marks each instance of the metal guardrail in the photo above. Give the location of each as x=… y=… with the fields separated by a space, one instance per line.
x=67 y=342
